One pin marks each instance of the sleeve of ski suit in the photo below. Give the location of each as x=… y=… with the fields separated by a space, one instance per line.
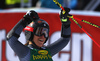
x=61 y=42
x=12 y=37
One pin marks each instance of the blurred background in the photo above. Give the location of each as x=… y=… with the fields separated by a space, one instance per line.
x=91 y=5
x=80 y=47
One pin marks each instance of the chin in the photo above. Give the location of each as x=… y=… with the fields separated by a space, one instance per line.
x=40 y=45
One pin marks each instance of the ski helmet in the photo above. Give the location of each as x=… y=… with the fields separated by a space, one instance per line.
x=38 y=28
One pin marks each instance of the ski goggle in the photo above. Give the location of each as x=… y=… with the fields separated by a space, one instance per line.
x=42 y=31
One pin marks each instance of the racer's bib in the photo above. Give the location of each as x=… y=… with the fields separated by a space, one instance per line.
x=40 y=55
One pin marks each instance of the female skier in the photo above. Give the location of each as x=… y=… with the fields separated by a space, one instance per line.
x=37 y=33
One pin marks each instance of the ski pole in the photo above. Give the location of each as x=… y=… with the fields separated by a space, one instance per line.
x=85 y=32
x=56 y=2
x=84 y=21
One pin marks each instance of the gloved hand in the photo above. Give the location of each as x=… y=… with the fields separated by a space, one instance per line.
x=30 y=16
x=63 y=16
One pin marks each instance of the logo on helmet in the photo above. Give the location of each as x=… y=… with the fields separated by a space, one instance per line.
x=39 y=21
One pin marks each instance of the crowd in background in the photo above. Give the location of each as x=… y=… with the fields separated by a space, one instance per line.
x=72 y=4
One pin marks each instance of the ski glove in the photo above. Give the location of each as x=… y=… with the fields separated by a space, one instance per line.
x=30 y=16
x=63 y=16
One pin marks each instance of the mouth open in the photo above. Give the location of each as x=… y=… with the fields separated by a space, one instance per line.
x=41 y=40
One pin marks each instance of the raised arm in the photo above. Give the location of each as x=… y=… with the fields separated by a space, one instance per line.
x=65 y=34
x=14 y=34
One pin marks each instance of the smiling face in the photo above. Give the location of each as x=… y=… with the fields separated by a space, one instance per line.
x=39 y=40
